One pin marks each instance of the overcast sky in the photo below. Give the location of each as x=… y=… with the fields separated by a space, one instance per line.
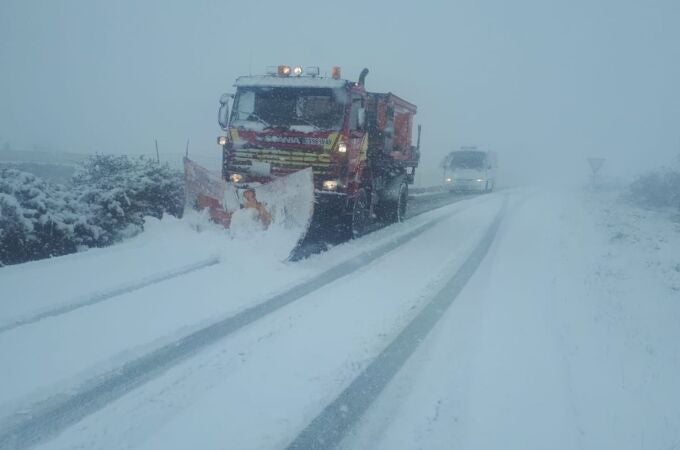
x=544 y=83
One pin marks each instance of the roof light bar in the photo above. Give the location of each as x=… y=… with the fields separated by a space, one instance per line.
x=312 y=71
x=298 y=71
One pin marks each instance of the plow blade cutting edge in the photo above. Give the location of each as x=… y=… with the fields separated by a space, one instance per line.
x=281 y=209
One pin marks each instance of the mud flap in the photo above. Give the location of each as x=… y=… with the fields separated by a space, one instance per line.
x=289 y=200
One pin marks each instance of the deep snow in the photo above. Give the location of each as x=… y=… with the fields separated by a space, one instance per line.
x=69 y=349
x=565 y=337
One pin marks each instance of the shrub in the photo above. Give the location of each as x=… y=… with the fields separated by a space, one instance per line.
x=39 y=220
x=657 y=189
x=122 y=191
x=108 y=200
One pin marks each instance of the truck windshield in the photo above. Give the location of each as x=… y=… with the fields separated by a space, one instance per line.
x=467 y=160
x=308 y=109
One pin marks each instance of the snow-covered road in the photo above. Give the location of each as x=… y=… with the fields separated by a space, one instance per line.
x=90 y=343
x=242 y=350
x=566 y=337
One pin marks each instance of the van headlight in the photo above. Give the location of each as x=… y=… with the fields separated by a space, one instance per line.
x=235 y=177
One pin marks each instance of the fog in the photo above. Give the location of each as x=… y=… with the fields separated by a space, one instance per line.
x=544 y=84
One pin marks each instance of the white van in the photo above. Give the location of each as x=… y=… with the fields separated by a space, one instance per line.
x=470 y=170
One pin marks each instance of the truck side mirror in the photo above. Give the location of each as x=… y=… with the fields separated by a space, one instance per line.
x=223 y=113
x=361 y=118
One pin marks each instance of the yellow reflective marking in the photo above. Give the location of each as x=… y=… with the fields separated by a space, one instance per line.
x=331 y=138
x=286 y=162
x=364 y=148
x=275 y=156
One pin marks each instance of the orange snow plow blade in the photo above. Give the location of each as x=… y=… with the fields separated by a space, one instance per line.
x=285 y=204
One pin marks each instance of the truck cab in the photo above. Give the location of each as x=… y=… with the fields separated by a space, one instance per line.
x=470 y=170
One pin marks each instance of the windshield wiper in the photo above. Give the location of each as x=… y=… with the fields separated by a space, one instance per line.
x=316 y=127
x=259 y=119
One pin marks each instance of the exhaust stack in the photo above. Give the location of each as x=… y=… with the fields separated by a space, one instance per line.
x=362 y=77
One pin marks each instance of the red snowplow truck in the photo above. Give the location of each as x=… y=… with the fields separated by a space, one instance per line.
x=358 y=143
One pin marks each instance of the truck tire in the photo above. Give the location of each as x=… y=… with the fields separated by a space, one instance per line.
x=361 y=215
x=393 y=211
x=402 y=201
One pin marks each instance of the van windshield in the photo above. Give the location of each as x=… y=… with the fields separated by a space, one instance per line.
x=467 y=160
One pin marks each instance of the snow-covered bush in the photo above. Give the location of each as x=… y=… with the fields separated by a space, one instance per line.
x=657 y=189
x=39 y=220
x=122 y=191
x=108 y=200
x=14 y=229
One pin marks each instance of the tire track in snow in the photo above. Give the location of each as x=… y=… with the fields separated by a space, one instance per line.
x=333 y=423
x=127 y=288
x=101 y=296
x=424 y=203
x=44 y=420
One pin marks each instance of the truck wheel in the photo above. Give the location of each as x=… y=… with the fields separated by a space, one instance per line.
x=360 y=215
x=392 y=210
x=400 y=207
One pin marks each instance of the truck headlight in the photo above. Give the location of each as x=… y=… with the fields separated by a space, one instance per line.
x=330 y=185
x=222 y=140
x=448 y=180
x=235 y=177
x=342 y=147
